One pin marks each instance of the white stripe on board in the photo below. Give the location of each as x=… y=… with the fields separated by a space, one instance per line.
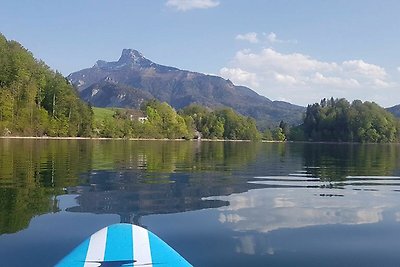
x=141 y=247
x=97 y=248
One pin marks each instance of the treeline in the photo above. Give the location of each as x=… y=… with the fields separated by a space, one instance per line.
x=34 y=100
x=338 y=120
x=220 y=124
x=331 y=120
x=162 y=121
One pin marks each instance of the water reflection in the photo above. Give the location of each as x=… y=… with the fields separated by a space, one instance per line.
x=136 y=178
x=292 y=207
x=122 y=177
x=32 y=173
x=256 y=199
x=337 y=161
x=132 y=195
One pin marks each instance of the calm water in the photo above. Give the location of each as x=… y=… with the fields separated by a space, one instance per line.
x=218 y=204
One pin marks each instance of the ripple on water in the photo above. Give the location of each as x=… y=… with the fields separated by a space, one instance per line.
x=306 y=180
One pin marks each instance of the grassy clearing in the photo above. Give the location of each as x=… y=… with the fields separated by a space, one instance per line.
x=103 y=113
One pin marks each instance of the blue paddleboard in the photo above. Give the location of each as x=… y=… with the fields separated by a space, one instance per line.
x=123 y=245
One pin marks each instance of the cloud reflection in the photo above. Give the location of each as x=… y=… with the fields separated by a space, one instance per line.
x=266 y=210
x=253 y=215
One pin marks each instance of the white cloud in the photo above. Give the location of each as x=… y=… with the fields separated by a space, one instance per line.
x=398 y=69
x=254 y=37
x=381 y=83
x=273 y=38
x=240 y=76
x=301 y=79
x=285 y=79
x=270 y=60
x=250 y=37
x=184 y=5
x=320 y=79
x=359 y=67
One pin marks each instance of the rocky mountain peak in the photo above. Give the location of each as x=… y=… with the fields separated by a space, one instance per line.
x=100 y=63
x=131 y=56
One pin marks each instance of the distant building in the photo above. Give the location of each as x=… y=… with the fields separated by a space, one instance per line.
x=142 y=119
x=136 y=115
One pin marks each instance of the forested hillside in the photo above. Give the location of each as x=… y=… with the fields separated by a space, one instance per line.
x=36 y=101
x=338 y=120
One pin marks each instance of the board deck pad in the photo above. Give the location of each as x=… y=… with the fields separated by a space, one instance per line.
x=123 y=245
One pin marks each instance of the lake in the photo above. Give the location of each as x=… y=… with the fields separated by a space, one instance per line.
x=216 y=203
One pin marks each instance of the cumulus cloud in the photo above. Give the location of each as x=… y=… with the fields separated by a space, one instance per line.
x=184 y=5
x=320 y=79
x=285 y=79
x=359 y=67
x=302 y=79
x=250 y=37
x=240 y=76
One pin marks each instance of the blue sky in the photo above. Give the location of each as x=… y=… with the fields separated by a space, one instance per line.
x=297 y=51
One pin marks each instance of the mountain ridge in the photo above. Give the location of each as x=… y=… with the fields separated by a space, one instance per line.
x=135 y=76
x=395 y=110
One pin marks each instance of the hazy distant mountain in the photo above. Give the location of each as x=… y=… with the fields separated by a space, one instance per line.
x=395 y=110
x=133 y=79
x=107 y=93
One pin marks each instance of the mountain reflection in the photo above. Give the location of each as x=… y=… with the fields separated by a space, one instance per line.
x=133 y=194
x=121 y=176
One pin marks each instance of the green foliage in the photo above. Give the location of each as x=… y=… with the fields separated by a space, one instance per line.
x=222 y=124
x=36 y=101
x=267 y=135
x=285 y=128
x=338 y=120
x=278 y=135
x=162 y=122
x=296 y=133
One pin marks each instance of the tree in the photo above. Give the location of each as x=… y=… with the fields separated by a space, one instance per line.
x=296 y=133
x=285 y=128
x=338 y=120
x=267 y=135
x=278 y=135
x=6 y=105
x=222 y=123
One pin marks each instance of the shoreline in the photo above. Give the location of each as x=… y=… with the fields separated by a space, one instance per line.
x=122 y=139
x=174 y=140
